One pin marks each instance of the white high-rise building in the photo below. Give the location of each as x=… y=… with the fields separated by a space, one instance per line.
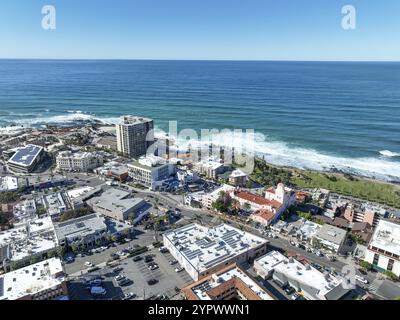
x=134 y=135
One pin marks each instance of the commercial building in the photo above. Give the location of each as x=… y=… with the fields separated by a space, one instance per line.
x=78 y=161
x=25 y=211
x=33 y=239
x=210 y=168
x=330 y=237
x=134 y=135
x=308 y=281
x=118 y=204
x=84 y=230
x=203 y=251
x=55 y=204
x=229 y=283
x=150 y=171
x=384 y=249
x=306 y=230
x=26 y=159
x=10 y=183
x=209 y=198
x=40 y=281
x=114 y=170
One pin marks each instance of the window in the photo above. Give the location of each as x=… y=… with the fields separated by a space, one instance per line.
x=390 y=265
x=376 y=259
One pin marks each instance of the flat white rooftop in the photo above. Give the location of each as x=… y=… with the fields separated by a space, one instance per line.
x=205 y=247
x=115 y=200
x=79 y=192
x=308 y=229
x=295 y=270
x=238 y=173
x=80 y=227
x=218 y=279
x=387 y=237
x=31 y=238
x=8 y=183
x=32 y=279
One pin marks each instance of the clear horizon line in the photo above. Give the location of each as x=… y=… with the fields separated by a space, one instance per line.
x=182 y=59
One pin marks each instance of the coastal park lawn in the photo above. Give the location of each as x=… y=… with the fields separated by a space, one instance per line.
x=374 y=191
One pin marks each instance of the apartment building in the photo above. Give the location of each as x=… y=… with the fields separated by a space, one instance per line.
x=134 y=135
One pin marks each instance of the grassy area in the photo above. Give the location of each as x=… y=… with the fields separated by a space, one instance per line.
x=370 y=190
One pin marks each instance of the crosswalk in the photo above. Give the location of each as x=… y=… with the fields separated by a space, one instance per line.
x=375 y=285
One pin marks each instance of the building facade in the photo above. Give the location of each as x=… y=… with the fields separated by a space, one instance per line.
x=149 y=171
x=308 y=281
x=134 y=135
x=26 y=159
x=384 y=249
x=79 y=161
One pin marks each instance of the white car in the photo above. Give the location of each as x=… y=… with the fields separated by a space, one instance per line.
x=319 y=253
x=88 y=264
x=179 y=269
x=361 y=279
x=119 y=277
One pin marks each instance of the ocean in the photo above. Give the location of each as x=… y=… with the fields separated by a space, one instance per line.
x=310 y=115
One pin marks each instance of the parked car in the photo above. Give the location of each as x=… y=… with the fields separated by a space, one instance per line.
x=289 y=290
x=128 y=296
x=69 y=259
x=148 y=259
x=319 y=253
x=296 y=296
x=163 y=250
x=124 y=282
x=179 y=269
x=152 y=282
x=96 y=282
x=153 y=266
x=172 y=262
x=137 y=258
x=119 y=277
x=117 y=269
x=89 y=264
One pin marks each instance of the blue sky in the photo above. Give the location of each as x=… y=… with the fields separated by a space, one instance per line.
x=201 y=29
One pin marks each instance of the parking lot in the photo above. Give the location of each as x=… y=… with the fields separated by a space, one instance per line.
x=138 y=272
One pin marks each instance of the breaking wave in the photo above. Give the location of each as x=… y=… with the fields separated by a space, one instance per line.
x=274 y=152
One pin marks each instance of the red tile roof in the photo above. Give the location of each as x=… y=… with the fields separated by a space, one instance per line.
x=265 y=214
x=250 y=197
